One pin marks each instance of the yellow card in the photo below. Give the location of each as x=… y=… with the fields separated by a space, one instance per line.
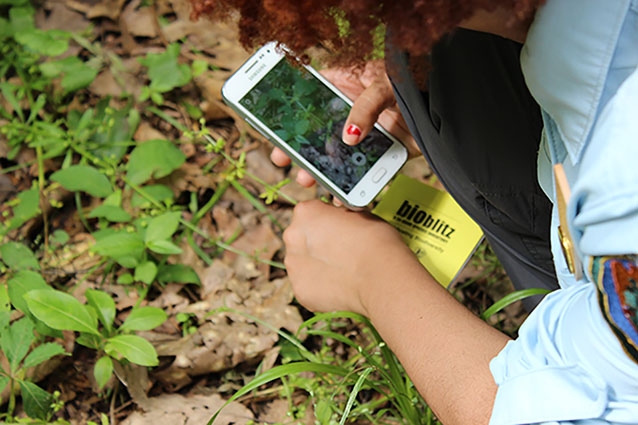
x=433 y=225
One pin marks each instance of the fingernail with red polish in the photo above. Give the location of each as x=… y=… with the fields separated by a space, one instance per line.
x=352 y=135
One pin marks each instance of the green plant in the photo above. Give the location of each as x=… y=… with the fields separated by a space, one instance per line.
x=15 y=341
x=62 y=311
x=334 y=388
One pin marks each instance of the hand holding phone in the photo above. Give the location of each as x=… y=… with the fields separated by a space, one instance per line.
x=304 y=115
x=373 y=101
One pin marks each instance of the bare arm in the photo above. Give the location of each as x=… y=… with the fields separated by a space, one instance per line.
x=341 y=260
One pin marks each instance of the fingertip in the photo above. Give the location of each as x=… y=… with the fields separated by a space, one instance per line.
x=305 y=179
x=279 y=158
x=352 y=134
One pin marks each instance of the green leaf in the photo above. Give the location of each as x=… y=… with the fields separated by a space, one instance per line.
x=89 y=340
x=146 y=272
x=133 y=348
x=18 y=256
x=27 y=208
x=125 y=279
x=78 y=77
x=43 y=352
x=4 y=380
x=83 y=178
x=159 y=192
x=59 y=237
x=120 y=245
x=198 y=67
x=162 y=227
x=111 y=213
x=102 y=371
x=164 y=247
x=5 y=302
x=21 y=283
x=5 y=317
x=154 y=158
x=103 y=305
x=61 y=311
x=353 y=395
x=164 y=71
x=15 y=341
x=177 y=273
x=511 y=298
x=35 y=400
x=143 y=319
x=42 y=42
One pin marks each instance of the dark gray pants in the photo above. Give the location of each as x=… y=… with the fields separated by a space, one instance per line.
x=479 y=128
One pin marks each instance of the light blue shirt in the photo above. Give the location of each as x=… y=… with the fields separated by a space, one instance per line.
x=580 y=63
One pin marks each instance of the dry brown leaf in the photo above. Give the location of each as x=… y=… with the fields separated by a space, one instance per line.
x=258 y=163
x=259 y=241
x=61 y=17
x=105 y=84
x=140 y=21
x=177 y=409
x=135 y=379
x=226 y=222
x=145 y=132
x=276 y=412
x=97 y=8
x=226 y=340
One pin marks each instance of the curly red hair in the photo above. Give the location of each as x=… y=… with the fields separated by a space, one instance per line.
x=350 y=28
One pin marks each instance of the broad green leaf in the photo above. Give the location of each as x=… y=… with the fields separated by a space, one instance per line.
x=5 y=317
x=133 y=348
x=4 y=380
x=15 y=342
x=42 y=42
x=125 y=279
x=21 y=17
x=35 y=400
x=103 y=305
x=143 y=319
x=162 y=227
x=18 y=256
x=43 y=352
x=27 y=208
x=21 y=283
x=61 y=311
x=59 y=237
x=78 y=77
x=164 y=70
x=146 y=272
x=177 y=273
x=111 y=213
x=119 y=245
x=83 y=178
x=5 y=303
x=154 y=158
x=89 y=340
x=164 y=247
x=102 y=371
x=158 y=192
x=198 y=67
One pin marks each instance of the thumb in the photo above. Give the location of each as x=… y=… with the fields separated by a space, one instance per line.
x=366 y=110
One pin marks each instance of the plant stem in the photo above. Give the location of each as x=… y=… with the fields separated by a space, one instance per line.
x=41 y=183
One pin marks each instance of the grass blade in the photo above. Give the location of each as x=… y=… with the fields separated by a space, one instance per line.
x=512 y=298
x=353 y=394
x=278 y=372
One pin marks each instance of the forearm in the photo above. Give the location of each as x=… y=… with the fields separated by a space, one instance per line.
x=444 y=348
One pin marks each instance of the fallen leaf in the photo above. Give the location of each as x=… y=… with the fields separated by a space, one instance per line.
x=139 y=20
x=190 y=410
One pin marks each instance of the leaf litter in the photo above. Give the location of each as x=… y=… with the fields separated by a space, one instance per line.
x=193 y=344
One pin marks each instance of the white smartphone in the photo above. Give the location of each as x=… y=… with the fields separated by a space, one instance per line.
x=303 y=114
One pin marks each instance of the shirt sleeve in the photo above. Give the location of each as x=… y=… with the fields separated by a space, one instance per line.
x=572 y=362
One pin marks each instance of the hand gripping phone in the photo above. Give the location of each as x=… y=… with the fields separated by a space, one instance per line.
x=303 y=114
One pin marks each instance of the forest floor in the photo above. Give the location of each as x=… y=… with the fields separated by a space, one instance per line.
x=93 y=83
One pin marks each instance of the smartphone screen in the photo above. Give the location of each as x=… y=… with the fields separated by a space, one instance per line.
x=309 y=117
